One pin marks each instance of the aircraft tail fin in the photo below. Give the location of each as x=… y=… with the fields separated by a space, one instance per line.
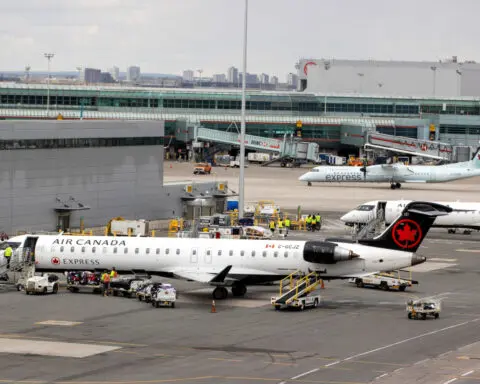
x=407 y=232
x=476 y=159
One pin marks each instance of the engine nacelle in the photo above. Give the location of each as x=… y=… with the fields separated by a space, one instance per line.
x=321 y=252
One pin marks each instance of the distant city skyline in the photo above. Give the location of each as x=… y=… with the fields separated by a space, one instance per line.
x=103 y=33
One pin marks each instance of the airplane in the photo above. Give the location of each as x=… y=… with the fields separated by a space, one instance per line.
x=464 y=215
x=237 y=263
x=395 y=174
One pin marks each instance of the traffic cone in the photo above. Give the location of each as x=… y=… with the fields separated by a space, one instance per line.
x=322 y=286
x=171 y=165
x=214 y=309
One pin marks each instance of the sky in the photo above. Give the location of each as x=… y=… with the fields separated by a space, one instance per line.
x=169 y=36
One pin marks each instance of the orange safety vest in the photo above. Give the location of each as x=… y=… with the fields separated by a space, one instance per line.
x=106 y=278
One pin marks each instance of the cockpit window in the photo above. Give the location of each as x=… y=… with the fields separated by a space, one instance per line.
x=4 y=245
x=365 y=207
x=314 y=170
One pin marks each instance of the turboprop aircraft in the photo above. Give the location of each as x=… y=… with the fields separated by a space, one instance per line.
x=395 y=174
x=464 y=215
x=238 y=263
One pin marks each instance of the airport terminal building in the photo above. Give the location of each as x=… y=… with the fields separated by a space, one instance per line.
x=53 y=174
x=269 y=114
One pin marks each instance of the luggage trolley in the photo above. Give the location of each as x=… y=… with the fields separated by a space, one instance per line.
x=421 y=308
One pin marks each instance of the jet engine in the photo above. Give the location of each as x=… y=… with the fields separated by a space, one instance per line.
x=322 y=252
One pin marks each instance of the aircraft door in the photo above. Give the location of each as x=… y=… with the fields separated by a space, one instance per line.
x=208 y=256
x=194 y=256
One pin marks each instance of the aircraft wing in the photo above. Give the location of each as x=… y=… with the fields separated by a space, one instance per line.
x=209 y=276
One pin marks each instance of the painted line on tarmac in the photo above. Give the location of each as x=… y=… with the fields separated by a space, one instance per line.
x=467 y=373
x=450 y=381
x=389 y=345
x=468 y=250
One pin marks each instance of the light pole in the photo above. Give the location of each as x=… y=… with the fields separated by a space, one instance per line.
x=200 y=71
x=327 y=67
x=49 y=57
x=241 y=186
x=459 y=83
x=434 y=69
x=360 y=75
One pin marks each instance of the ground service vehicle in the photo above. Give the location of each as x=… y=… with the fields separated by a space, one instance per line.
x=147 y=291
x=202 y=169
x=165 y=295
x=420 y=309
x=300 y=303
x=127 y=286
x=46 y=283
x=385 y=281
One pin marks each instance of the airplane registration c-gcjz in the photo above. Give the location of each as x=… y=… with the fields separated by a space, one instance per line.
x=395 y=174
x=238 y=263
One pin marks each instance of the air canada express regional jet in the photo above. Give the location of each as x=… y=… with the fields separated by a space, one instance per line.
x=395 y=174
x=237 y=263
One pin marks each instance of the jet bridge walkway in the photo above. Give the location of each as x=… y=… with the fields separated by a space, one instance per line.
x=288 y=147
x=415 y=147
x=296 y=285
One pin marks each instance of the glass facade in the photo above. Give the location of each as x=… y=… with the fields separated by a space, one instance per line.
x=80 y=143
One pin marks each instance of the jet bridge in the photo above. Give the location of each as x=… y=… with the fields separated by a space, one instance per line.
x=415 y=147
x=288 y=147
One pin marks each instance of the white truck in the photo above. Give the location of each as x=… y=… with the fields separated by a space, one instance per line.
x=258 y=157
x=132 y=227
x=308 y=301
x=385 y=281
x=45 y=283
x=165 y=295
x=235 y=162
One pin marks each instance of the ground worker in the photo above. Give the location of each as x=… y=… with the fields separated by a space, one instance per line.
x=287 y=225
x=313 y=223
x=8 y=255
x=319 y=220
x=280 y=226
x=272 y=225
x=113 y=273
x=106 y=282
x=308 y=221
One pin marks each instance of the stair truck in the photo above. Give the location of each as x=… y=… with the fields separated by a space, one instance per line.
x=296 y=291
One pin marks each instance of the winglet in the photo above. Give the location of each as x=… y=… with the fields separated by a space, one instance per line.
x=220 y=278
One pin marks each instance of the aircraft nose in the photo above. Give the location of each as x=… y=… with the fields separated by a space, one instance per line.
x=346 y=217
x=304 y=177
x=417 y=259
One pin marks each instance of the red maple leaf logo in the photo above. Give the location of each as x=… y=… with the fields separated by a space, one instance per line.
x=478 y=156
x=55 y=260
x=406 y=234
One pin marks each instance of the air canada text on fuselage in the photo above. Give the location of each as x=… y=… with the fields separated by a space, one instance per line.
x=89 y=242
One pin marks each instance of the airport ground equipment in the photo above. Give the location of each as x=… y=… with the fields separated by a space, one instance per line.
x=129 y=227
x=84 y=281
x=45 y=283
x=202 y=169
x=384 y=281
x=296 y=291
x=165 y=295
x=147 y=291
x=127 y=286
x=423 y=308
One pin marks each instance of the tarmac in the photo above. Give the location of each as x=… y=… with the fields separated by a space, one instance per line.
x=357 y=335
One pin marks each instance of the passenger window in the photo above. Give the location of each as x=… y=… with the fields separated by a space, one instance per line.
x=178 y=251
x=125 y=250
x=209 y=253
x=83 y=249
x=167 y=251
x=61 y=248
x=147 y=251
x=94 y=249
x=219 y=253
x=194 y=252
x=285 y=254
x=104 y=249
x=115 y=250
x=242 y=253
x=264 y=253
x=158 y=251
x=72 y=249
x=230 y=252
x=275 y=254
x=253 y=253
x=136 y=250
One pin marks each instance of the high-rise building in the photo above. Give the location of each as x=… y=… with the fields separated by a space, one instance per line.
x=90 y=75
x=274 y=80
x=250 y=78
x=232 y=75
x=264 y=78
x=188 y=75
x=219 y=78
x=115 y=72
x=133 y=73
x=292 y=80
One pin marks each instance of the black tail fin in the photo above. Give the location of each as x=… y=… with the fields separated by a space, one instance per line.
x=407 y=232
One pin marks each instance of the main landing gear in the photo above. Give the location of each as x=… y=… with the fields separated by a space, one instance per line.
x=395 y=185
x=221 y=293
x=309 y=184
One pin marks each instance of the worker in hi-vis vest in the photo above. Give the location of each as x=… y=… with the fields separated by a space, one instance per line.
x=8 y=255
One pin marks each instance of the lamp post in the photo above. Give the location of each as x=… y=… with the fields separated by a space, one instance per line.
x=49 y=57
x=241 y=189
x=434 y=69
x=459 y=83
x=360 y=75
x=327 y=67
x=200 y=71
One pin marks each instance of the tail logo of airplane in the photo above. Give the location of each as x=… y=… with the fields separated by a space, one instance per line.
x=407 y=234
x=478 y=156
x=55 y=260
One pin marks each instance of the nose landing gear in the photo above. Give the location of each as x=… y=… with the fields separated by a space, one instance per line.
x=395 y=185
